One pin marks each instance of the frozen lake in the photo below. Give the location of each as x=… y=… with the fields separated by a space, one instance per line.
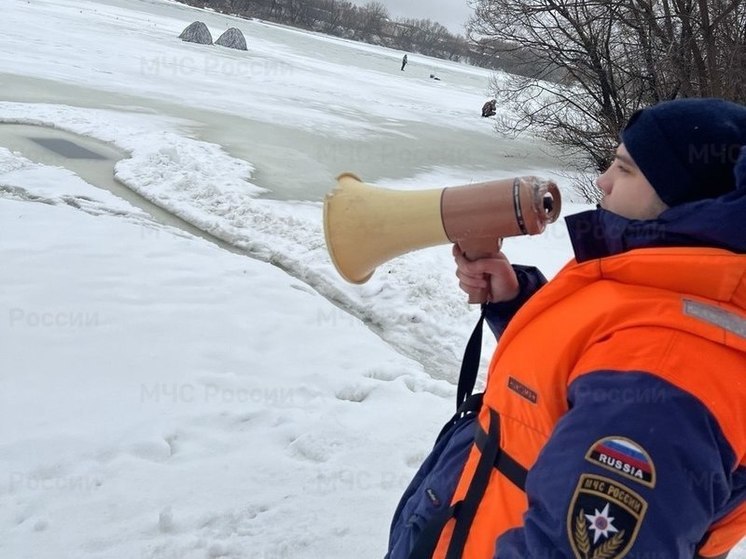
x=301 y=108
x=241 y=146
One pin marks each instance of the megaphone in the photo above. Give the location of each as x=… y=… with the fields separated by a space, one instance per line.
x=365 y=226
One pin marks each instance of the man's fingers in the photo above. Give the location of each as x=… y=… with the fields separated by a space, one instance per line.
x=490 y=266
x=492 y=273
x=479 y=281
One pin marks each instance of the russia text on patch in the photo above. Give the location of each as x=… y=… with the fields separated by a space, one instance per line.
x=625 y=457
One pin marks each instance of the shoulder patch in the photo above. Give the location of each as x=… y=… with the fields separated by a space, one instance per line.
x=604 y=518
x=625 y=457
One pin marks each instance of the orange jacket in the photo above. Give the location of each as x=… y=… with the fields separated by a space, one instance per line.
x=620 y=386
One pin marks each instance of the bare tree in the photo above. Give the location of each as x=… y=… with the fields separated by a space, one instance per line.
x=615 y=56
x=370 y=21
x=404 y=33
x=431 y=36
x=300 y=13
x=334 y=14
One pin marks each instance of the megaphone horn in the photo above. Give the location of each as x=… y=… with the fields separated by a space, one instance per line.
x=366 y=226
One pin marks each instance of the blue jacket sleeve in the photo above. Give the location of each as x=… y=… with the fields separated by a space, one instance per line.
x=498 y=315
x=637 y=466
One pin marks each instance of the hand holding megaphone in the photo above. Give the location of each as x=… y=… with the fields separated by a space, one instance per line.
x=366 y=226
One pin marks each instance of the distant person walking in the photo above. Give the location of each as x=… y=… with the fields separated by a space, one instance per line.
x=403 y=62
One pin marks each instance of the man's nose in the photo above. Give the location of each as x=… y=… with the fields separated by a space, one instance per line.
x=603 y=183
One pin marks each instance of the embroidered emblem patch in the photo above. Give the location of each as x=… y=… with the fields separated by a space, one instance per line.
x=604 y=518
x=624 y=457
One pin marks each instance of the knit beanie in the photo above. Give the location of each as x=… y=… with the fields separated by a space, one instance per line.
x=687 y=148
x=740 y=171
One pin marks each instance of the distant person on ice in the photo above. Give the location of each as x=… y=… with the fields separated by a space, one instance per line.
x=489 y=108
x=403 y=62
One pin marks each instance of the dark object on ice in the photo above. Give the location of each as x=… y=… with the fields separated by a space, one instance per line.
x=489 y=108
x=434 y=77
x=197 y=32
x=233 y=39
x=67 y=149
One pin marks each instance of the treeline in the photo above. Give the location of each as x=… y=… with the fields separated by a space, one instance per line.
x=372 y=23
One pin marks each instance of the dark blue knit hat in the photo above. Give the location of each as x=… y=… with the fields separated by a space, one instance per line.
x=687 y=148
x=740 y=171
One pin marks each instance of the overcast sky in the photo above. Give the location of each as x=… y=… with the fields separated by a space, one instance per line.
x=450 y=13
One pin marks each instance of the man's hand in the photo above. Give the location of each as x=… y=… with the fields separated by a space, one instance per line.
x=492 y=272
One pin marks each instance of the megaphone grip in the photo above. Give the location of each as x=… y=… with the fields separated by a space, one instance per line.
x=474 y=249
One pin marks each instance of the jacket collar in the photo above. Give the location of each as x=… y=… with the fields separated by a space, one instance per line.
x=716 y=223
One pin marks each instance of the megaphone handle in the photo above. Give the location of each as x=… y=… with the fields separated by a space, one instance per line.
x=474 y=249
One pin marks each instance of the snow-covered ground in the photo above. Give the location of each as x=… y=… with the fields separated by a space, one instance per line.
x=163 y=397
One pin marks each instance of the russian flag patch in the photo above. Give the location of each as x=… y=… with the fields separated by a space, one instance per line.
x=625 y=457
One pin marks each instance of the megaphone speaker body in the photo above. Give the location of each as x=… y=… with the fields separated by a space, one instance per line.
x=366 y=226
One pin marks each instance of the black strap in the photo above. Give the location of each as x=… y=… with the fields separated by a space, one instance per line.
x=472 y=405
x=467 y=378
x=511 y=469
x=504 y=462
x=474 y=493
x=428 y=539
x=465 y=511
